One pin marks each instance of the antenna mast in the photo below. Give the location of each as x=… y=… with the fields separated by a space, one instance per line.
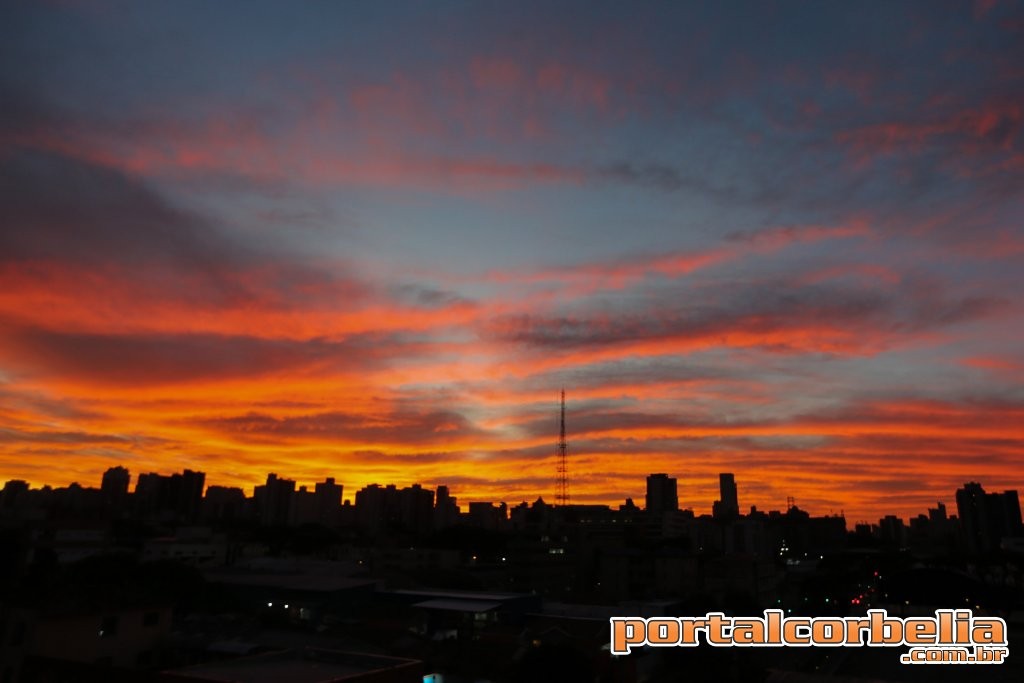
x=562 y=497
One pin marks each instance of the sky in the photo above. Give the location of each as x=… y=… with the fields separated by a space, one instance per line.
x=374 y=241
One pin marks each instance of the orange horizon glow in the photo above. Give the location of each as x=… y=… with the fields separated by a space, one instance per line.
x=377 y=253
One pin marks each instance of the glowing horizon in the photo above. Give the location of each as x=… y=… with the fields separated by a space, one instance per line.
x=374 y=242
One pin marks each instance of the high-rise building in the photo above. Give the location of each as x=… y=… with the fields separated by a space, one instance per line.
x=274 y=500
x=376 y=507
x=662 y=493
x=488 y=516
x=115 y=483
x=416 y=508
x=189 y=486
x=303 y=508
x=14 y=492
x=446 y=509
x=178 y=495
x=150 y=492
x=892 y=531
x=987 y=518
x=409 y=509
x=328 y=501
x=224 y=503
x=727 y=506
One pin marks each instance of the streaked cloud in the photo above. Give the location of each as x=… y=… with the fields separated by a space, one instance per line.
x=373 y=243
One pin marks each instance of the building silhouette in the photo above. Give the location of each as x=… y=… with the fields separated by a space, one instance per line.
x=115 y=484
x=727 y=506
x=662 y=494
x=328 y=501
x=987 y=518
x=176 y=496
x=273 y=500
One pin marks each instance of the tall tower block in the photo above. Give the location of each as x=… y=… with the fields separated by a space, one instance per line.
x=562 y=495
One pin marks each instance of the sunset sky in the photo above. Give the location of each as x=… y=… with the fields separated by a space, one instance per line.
x=374 y=240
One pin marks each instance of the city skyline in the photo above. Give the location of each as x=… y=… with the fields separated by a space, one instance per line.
x=662 y=493
x=375 y=242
